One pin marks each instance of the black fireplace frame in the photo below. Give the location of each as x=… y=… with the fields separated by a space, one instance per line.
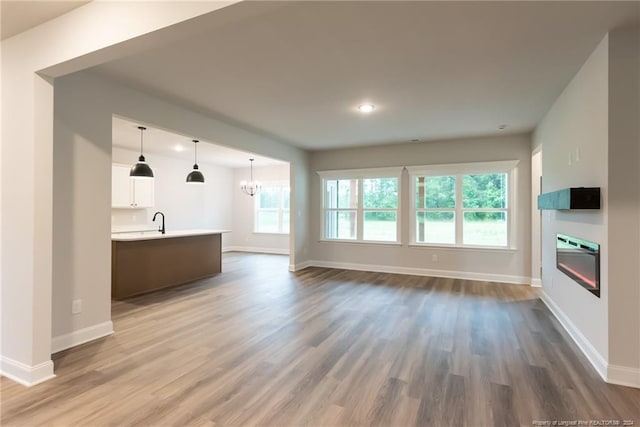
x=580 y=247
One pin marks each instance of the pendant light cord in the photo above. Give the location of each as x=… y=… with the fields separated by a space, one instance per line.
x=142 y=129
x=251 y=164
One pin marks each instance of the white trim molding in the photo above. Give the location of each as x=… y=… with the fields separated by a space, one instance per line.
x=25 y=374
x=536 y=282
x=623 y=375
x=458 y=171
x=485 y=277
x=613 y=374
x=394 y=171
x=258 y=250
x=463 y=168
x=300 y=266
x=81 y=336
x=596 y=359
x=360 y=175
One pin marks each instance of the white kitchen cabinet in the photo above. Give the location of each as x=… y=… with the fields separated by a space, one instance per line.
x=130 y=193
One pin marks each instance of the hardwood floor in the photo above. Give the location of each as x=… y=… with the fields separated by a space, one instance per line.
x=257 y=345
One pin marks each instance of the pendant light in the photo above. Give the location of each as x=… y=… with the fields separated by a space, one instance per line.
x=195 y=176
x=252 y=187
x=141 y=170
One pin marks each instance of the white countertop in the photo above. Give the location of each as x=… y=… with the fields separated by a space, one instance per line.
x=150 y=235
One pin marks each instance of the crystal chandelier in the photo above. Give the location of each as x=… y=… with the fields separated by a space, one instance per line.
x=252 y=187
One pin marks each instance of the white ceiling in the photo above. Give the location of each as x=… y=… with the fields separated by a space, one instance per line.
x=20 y=15
x=434 y=69
x=125 y=134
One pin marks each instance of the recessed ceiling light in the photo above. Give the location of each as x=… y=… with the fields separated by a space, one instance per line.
x=366 y=108
x=502 y=127
x=178 y=148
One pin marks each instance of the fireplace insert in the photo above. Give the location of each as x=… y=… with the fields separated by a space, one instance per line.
x=580 y=260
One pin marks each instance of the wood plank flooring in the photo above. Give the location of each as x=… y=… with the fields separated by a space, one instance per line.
x=257 y=345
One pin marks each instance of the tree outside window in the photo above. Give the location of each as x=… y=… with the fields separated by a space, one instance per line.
x=462 y=208
x=362 y=208
x=272 y=209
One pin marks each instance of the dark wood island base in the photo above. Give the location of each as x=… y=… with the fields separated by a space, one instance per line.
x=141 y=266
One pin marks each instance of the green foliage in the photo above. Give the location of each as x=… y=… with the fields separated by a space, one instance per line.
x=487 y=191
x=269 y=197
x=438 y=192
x=380 y=193
x=341 y=193
x=480 y=191
x=484 y=191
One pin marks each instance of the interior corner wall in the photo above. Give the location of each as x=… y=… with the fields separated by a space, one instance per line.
x=84 y=105
x=243 y=237
x=507 y=266
x=536 y=262
x=86 y=36
x=300 y=238
x=574 y=139
x=81 y=211
x=624 y=205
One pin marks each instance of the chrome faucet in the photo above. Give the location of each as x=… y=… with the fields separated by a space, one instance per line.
x=161 y=229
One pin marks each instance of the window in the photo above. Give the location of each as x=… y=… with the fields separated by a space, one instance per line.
x=361 y=205
x=463 y=205
x=272 y=209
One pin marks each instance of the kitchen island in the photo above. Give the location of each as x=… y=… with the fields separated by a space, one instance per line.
x=146 y=261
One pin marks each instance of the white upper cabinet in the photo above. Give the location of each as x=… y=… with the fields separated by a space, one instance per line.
x=130 y=193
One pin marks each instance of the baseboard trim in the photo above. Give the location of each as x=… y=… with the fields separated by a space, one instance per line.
x=536 y=283
x=593 y=356
x=24 y=374
x=623 y=375
x=81 y=336
x=300 y=266
x=274 y=251
x=485 y=277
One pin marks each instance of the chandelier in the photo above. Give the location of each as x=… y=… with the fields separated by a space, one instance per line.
x=252 y=187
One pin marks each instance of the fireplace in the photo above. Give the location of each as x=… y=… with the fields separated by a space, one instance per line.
x=580 y=260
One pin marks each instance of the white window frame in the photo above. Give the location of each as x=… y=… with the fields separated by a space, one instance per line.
x=281 y=186
x=360 y=175
x=510 y=167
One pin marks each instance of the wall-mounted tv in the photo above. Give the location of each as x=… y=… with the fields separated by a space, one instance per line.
x=580 y=260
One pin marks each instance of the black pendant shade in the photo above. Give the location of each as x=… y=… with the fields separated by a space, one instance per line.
x=141 y=169
x=195 y=176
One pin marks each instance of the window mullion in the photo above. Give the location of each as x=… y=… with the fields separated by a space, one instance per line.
x=360 y=211
x=458 y=210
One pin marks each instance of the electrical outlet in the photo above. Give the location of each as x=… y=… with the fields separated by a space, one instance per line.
x=434 y=257
x=76 y=306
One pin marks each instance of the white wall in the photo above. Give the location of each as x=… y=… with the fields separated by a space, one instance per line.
x=591 y=137
x=624 y=206
x=82 y=188
x=81 y=178
x=243 y=237
x=536 y=250
x=87 y=36
x=499 y=265
x=185 y=206
x=574 y=137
